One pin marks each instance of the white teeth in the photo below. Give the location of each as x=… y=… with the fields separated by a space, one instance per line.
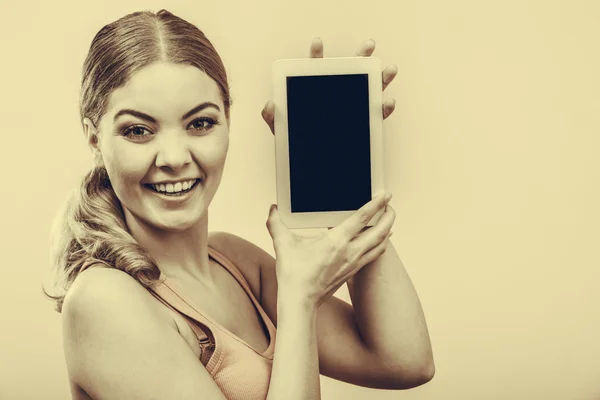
x=174 y=187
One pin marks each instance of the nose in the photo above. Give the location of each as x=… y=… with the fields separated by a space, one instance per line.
x=173 y=151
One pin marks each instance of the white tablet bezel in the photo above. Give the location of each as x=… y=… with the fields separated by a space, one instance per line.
x=324 y=66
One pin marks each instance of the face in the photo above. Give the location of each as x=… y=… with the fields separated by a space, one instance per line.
x=163 y=141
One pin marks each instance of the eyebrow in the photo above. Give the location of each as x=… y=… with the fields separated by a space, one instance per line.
x=141 y=115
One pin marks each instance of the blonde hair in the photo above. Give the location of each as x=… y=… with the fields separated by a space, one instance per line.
x=90 y=228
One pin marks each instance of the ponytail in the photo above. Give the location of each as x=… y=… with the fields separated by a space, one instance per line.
x=89 y=230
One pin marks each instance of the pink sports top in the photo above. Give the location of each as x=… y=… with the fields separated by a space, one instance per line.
x=241 y=372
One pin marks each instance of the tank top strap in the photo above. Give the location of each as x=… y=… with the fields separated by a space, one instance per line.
x=170 y=294
x=233 y=270
x=206 y=333
x=170 y=299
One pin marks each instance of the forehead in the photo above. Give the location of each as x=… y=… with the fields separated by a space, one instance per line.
x=164 y=89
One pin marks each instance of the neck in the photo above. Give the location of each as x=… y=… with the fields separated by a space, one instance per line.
x=178 y=254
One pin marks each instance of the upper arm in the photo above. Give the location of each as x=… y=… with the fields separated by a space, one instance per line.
x=117 y=345
x=342 y=353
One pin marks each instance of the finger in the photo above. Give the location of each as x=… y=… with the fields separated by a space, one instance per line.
x=388 y=75
x=268 y=114
x=275 y=226
x=373 y=236
x=366 y=49
x=349 y=228
x=375 y=252
x=388 y=107
x=316 y=48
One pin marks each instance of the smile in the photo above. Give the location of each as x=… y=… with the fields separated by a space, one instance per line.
x=173 y=189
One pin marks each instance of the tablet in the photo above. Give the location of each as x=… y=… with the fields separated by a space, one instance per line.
x=328 y=138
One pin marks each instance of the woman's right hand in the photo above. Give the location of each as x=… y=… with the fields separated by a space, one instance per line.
x=313 y=268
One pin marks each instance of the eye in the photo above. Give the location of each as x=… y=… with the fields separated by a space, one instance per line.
x=137 y=132
x=202 y=124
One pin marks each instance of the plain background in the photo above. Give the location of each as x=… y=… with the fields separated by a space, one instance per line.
x=491 y=154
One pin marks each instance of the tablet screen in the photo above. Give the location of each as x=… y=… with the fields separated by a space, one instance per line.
x=329 y=142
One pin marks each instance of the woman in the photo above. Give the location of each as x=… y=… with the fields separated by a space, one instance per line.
x=156 y=307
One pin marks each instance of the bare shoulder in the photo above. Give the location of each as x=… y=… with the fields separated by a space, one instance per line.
x=120 y=343
x=102 y=300
x=100 y=281
x=100 y=293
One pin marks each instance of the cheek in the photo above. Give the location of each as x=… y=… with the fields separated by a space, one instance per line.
x=224 y=149
x=125 y=166
x=212 y=155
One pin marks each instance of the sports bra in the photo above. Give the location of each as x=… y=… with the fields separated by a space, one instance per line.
x=241 y=372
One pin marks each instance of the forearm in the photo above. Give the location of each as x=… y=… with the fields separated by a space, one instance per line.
x=295 y=373
x=389 y=315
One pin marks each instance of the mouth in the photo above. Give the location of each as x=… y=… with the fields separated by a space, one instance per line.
x=173 y=189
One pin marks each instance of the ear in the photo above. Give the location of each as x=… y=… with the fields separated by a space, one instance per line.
x=93 y=141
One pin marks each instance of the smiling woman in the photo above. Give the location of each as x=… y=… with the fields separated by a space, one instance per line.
x=140 y=65
x=156 y=307
x=163 y=127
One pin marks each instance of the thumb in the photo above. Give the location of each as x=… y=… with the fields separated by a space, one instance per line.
x=275 y=225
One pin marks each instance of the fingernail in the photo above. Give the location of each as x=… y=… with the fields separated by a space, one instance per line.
x=390 y=234
x=388 y=197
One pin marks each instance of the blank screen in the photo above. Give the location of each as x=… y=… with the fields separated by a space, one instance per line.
x=329 y=142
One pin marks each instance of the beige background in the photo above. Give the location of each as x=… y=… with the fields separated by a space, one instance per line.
x=492 y=157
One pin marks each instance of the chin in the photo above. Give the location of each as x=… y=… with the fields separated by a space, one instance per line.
x=179 y=224
x=177 y=228
x=175 y=221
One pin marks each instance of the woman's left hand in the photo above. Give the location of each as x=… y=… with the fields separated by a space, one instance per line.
x=365 y=50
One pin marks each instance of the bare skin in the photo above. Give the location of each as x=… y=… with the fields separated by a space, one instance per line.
x=111 y=322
